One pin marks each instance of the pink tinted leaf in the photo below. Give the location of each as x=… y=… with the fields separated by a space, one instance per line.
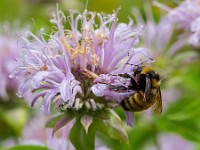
x=68 y=117
x=86 y=121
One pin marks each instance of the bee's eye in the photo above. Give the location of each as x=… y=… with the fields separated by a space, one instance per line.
x=138 y=70
x=152 y=74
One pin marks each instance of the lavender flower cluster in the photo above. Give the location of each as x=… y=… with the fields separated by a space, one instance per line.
x=187 y=17
x=70 y=69
x=8 y=53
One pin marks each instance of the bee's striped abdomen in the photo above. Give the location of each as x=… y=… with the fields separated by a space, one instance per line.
x=134 y=102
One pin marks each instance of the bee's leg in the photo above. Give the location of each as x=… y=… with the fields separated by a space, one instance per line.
x=115 y=88
x=118 y=88
x=133 y=82
x=133 y=85
x=125 y=75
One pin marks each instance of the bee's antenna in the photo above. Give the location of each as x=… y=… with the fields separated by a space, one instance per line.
x=129 y=64
x=132 y=64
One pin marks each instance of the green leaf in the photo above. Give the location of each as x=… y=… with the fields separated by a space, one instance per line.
x=187 y=129
x=191 y=79
x=80 y=139
x=182 y=118
x=101 y=114
x=13 y=120
x=187 y=110
x=27 y=147
x=113 y=128
x=140 y=135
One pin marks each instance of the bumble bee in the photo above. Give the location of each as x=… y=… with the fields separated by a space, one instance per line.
x=146 y=82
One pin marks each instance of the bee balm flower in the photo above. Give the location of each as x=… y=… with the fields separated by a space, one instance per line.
x=8 y=52
x=64 y=69
x=186 y=16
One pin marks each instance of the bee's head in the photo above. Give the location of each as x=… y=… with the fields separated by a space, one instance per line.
x=155 y=79
x=138 y=70
x=148 y=72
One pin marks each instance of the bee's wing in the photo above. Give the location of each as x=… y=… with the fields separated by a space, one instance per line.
x=147 y=92
x=158 y=105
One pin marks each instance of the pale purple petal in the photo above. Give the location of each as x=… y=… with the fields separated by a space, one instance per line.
x=38 y=78
x=130 y=118
x=195 y=39
x=98 y=89
x=47 y=101
x=41 y=94
x=76 y=89
x=3 y=85
x=23 y=88
x=66 y=90
x=17 y=73
x=195 y=25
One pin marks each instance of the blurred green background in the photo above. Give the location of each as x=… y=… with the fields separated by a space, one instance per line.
x=179 y=125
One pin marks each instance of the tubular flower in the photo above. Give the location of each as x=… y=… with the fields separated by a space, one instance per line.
x=155 y=36
x=186 y=16
x=171 y=141
x=35 y=134
x=8 y=52
x=69 y=69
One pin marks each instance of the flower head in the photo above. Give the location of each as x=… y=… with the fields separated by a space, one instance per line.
x=8 y=53
x=68 y=69
x=172 y=141
x=34 y=133
x=155 y=36
x=185 y=13
x=186 y=16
